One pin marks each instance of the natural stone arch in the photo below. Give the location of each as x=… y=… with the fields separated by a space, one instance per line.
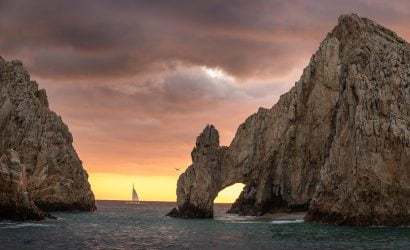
x=213 y=169
x=198 y=187
x=278 y=152
x=337 y=144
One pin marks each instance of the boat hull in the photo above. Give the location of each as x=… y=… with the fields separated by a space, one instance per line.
x=133 y=202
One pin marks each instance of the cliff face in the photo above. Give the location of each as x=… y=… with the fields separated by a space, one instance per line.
x=56 y=179
x=337 y=144
x=200 y=184
x=366 y=178
x=16 y=203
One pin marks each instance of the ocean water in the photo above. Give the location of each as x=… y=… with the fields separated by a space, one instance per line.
x=119 y=226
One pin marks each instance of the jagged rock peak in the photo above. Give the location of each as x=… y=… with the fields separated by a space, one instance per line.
x=56 y=179
x=337 y=144
x=206 y=143
x=352 y=24
x=208 y=138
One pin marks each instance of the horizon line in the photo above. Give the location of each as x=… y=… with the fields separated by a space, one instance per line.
x=160 y=201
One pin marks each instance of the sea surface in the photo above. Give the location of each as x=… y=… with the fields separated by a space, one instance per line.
x=116 y=225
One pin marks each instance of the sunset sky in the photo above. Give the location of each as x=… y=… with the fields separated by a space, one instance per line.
x=137 y=81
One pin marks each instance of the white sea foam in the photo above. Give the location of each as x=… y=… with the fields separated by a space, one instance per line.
x=20 y=225
x=286 y=221
x=235 y=218
x=7 y=223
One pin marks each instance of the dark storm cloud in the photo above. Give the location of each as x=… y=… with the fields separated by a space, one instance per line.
x=153 y=121
x=108 y=39
x=128 y=76
x=185 y=91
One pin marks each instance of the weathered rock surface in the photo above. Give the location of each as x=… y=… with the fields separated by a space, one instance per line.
x=199 y=185
x=366 y=177
x=56 y=179
x=337 y=144
x=15 y=201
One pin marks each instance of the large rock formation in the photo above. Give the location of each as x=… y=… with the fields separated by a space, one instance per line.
x=56 y=179
x=199 y=185
x=337 y=144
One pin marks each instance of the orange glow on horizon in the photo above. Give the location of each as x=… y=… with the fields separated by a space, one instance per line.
x=111 y=186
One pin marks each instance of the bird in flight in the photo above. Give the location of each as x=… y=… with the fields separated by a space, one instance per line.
x=177 y=169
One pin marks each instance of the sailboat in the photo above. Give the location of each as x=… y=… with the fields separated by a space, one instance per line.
x=135 y=200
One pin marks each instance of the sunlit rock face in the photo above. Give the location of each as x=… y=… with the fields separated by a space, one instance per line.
x=56 y=179
x=337 y=144
x=366 y=176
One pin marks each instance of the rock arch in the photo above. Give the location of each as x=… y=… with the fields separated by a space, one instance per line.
x=277 y=153
x=213 y=169
x=337 y=144
x=198 y=187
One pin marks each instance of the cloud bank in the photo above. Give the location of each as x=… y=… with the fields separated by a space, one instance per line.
x=136 y=81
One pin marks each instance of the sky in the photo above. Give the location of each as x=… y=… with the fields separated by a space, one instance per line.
x=137 y=80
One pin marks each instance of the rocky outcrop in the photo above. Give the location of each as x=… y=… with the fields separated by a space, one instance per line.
x=337 y=144
x=199 y=185
x=366 y=177
x=56 y=179
x=16 y=203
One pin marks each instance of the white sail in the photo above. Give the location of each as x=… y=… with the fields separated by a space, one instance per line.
x=134 y=194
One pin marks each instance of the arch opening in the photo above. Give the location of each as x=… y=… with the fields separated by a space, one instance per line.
x=227 y=196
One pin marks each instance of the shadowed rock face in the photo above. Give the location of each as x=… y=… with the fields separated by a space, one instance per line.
x=16 y=203
x=56 y=179
x=337 y=144
x=198 y=186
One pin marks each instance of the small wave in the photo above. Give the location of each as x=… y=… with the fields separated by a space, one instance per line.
x=286 y=221
x=56 y=219
x=20 y=225
x=7 y=223
x=234 y=218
